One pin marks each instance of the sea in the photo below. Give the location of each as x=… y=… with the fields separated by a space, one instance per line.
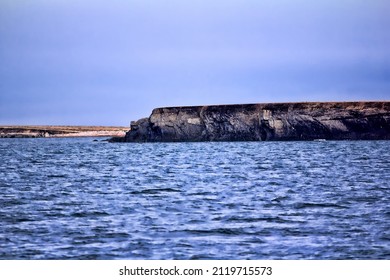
x=84 y=198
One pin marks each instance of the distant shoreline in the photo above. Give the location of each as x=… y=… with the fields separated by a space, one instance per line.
x=53 y=131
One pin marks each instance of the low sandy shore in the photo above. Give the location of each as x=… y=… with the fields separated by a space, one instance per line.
x=61 y=131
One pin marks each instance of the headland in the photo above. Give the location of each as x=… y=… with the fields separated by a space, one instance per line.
x=305 y=121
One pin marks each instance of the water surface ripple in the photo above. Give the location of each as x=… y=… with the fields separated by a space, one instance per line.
x=79 y=199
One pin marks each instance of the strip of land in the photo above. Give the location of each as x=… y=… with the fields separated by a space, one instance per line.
x=40 y=131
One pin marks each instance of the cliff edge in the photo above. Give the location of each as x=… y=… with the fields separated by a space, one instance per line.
x=265 y=122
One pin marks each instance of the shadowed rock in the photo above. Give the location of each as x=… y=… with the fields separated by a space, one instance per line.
x=265 y=122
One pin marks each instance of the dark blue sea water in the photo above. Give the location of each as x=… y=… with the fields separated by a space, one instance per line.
x=79 y=199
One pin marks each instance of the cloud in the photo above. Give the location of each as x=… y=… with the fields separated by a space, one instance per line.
x=89 y=56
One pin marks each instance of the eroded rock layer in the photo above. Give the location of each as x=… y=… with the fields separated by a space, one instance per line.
x=265 y=122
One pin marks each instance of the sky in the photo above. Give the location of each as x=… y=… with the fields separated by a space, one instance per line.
x=94 y=62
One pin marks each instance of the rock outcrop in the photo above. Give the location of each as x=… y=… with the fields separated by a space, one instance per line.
x=265 y=122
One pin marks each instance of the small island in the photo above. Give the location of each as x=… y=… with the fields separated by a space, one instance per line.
x=301 y=121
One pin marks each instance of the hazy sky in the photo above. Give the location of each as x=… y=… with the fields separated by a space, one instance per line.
x=99 y=62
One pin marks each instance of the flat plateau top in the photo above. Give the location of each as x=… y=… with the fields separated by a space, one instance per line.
x=278 y=104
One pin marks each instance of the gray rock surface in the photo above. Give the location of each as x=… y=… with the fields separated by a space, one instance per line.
x=265 y=122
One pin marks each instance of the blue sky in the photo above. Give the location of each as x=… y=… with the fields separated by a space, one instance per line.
x=110 y=62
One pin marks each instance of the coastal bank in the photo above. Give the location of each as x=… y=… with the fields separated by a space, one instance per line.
x=264 y=122
x=51 y=131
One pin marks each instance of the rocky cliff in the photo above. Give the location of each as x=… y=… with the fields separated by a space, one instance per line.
x=265 y=122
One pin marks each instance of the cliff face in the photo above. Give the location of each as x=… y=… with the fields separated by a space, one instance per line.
x=263 y=122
